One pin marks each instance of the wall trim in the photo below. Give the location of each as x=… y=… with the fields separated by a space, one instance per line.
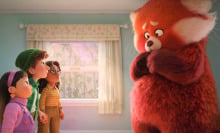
x=79 y=102
x=96 y=131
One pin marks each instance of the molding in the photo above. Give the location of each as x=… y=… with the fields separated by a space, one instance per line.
x=67 y=12
x=96 y=131
x=79 y=102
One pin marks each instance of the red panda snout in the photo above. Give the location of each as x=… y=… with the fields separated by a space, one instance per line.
x=153 y=43
x=150 y=43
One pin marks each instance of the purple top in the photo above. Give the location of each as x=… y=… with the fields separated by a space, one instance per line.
x=16 y=112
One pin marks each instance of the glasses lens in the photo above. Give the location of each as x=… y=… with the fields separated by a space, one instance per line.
x=52 y=71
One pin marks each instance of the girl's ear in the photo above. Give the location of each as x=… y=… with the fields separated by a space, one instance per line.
x=31 y=70
x=11 y=89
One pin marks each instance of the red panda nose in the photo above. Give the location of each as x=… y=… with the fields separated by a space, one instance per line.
x=150 y=43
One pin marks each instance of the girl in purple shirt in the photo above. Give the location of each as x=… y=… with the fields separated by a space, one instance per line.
x=14 y=91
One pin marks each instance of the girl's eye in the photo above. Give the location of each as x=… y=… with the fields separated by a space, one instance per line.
x=53 y=71
x=43 y=62
x=26 y=83
x=158 y=32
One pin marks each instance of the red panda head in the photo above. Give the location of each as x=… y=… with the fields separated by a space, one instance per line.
x=171 y=24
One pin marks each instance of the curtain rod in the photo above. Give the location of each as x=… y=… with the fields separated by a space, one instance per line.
x=23 y=26
x=125 y=26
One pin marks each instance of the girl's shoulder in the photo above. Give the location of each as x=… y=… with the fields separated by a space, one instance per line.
x=13 y=108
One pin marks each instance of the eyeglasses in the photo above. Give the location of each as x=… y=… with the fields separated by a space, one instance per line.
x=53 y=71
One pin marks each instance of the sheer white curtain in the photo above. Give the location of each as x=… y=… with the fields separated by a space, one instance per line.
x=40 y=44
x=110 y=78
x=110 y=65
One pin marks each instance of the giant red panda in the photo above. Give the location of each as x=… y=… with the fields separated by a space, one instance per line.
x=174 y=88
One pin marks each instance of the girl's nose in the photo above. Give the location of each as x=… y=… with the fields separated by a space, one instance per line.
x=58 y=73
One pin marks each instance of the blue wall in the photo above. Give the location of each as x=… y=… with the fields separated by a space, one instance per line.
x=12 y=41
x=213 y=48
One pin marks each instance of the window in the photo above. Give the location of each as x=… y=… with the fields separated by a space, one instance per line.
x=90 y=58
x=79 y=65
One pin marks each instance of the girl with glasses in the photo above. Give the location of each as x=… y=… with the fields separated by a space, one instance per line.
x=50 y=99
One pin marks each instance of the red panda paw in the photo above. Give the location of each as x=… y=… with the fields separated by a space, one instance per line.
x=152 y=62
x=161 y=61
x=139 y=66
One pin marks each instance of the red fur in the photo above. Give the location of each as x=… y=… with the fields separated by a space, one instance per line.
x=183 y=66
x=174 y=89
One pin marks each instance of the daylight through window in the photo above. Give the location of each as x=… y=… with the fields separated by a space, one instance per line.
x=79 y=68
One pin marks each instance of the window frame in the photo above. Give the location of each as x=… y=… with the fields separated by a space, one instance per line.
x=76 y=101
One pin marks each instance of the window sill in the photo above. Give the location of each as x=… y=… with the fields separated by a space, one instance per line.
x=79 y=102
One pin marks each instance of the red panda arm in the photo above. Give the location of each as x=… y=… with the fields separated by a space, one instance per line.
x=184 y=67
x=139 y=66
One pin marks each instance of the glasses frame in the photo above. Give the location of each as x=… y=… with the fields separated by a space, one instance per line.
x=53 y=71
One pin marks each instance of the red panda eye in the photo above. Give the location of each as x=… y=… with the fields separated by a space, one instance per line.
x=158 y=32
x=146 y=35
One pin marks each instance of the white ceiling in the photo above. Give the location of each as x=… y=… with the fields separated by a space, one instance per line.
x=69 y=6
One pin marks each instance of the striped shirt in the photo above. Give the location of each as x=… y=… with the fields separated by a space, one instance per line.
x=50 y=96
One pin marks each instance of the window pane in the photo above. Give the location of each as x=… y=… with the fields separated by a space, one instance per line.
x=79 y=65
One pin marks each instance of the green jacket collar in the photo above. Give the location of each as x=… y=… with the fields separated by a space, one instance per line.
x=33 y=83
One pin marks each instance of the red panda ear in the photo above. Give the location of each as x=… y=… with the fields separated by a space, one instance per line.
x=194 y=29
x=198 y=6
x=133 y=17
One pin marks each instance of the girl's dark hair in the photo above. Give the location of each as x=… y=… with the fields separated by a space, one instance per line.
x=43 y=82
x=4 y=94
